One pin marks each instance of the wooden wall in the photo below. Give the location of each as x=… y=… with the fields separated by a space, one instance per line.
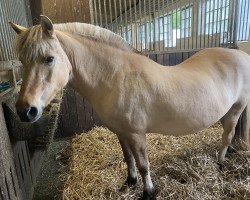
x=60 y=11
x=77 y=115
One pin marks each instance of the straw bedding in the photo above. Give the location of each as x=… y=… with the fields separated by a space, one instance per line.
x=181 y=168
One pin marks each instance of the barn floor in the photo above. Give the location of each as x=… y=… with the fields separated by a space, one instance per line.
x=181 y=168
x=50 y=181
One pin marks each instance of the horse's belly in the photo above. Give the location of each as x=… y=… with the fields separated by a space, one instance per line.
x=184 y=124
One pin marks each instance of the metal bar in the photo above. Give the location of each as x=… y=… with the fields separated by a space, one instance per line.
x=183 y=11
x=245 y=20
x=116 y=22
x=121 y=21
x=213 y=10
x=197 y=24
x=105 y=13
x=220 y=22
x=176 y=26
x=141 y=31
x=235 y=22
x=136 y=24
x=239 y=18
x=145 y=24
x=111 y=16
x=159 y=26
x=150 y=25
x=217 y=22
x=190 y=20
x=95 y=13
x=205 y=24
x=232 y=22
x=163 y=22
x=225 y=8
x=131 y=20
x=126 y=21
x=248 y=22
x=91 y=11
x=209 y=23
x=201 y=21
x=172 y=23
x=154 y=22
x=100 y=12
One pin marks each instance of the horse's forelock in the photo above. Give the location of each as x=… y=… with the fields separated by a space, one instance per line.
x=31 y=44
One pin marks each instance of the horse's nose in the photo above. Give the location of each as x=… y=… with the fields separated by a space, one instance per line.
x=27 y=114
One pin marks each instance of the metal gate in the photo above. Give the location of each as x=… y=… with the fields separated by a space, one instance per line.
x=174 y=25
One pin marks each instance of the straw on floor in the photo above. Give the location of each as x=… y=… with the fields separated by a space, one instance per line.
x=181 y=168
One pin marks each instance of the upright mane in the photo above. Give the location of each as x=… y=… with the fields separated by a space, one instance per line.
x=95 y=32
x=31 y=43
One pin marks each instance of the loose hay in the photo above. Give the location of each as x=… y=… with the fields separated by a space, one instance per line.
x=181 y=168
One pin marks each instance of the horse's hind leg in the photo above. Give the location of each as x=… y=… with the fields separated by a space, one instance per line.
x=137 y=142
x=229 y=122
x=129 y=158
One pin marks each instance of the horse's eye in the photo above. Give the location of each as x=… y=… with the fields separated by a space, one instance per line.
x=49 y=59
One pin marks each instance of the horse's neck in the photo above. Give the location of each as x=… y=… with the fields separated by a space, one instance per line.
x=94 y=66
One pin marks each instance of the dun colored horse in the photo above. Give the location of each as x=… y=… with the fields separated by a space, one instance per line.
x=132 y=94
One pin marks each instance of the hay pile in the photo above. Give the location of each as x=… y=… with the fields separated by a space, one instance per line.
x=181 y=168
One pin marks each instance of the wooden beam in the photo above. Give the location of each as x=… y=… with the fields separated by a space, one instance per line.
x=36 y=10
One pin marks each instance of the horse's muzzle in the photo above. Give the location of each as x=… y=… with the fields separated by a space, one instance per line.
x=27 y=114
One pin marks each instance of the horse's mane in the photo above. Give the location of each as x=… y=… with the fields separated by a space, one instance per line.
x=95 y=32
x=31 y=43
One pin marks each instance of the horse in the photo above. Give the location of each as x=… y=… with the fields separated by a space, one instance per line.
x=132 y=94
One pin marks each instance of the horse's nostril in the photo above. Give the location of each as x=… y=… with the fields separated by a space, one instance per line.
x=32 y=113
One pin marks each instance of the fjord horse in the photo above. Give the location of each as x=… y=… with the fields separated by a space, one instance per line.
x=132 y=94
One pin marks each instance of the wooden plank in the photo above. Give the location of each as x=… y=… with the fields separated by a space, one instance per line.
x=36 y=10
x=191 y=53
x=8 y=175
x=166 y=59
x=153 y=57
x=159 y=59
x=185 y=55
x=178 y=58
x=9 y=65
x=172 y=57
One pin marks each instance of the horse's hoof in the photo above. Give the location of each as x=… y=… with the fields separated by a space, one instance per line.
x=220 y=166
x=230 y=151
x=148 y=195
x=131 y=181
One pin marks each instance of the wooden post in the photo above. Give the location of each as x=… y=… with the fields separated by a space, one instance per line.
x=36 y=10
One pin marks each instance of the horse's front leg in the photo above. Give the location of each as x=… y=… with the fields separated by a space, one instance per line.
x=137 y=142
x=129 y=158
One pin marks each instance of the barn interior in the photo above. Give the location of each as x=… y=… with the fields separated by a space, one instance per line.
x=61 y=155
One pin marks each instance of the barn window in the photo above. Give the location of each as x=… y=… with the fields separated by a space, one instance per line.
x=186 y=22
x=213 y=17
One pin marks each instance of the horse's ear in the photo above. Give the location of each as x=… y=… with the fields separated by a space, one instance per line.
x=17 y=28
x=47 y=25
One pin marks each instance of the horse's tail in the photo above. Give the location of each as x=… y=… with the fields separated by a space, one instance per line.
x=242 y=129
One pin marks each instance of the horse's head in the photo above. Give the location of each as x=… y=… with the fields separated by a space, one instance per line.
x=46 y=68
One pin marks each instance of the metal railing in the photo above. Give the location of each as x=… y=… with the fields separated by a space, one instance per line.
x=18 y=12
x=173 y=25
